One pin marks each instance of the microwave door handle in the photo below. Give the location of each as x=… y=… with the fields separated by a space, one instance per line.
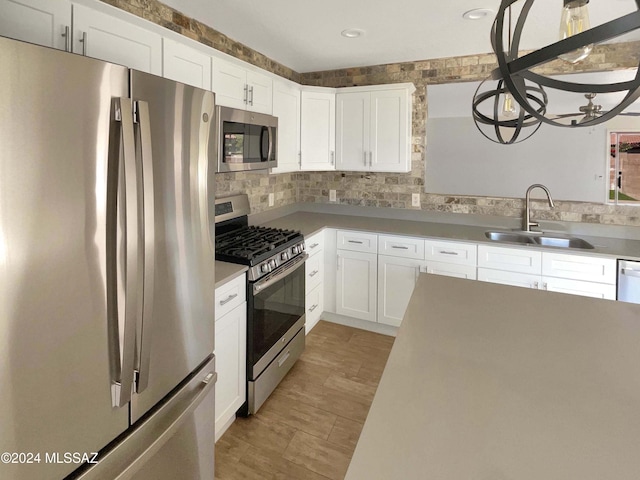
x=144 y=128
x=270 y=130
x=264 y=158
x=122 y=384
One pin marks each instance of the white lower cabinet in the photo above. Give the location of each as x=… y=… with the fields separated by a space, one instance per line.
x=396 y=280
x=314 y=304
x=451 y=270
x=231 y=355
x=314 y=280
x=356 y=284
x=515 y=279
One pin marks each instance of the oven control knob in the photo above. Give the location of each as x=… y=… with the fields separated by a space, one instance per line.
x=272 y=263
x=264 y=268
x=294 y=250
x=284 y=256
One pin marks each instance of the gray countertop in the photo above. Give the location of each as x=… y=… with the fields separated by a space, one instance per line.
x=225 y=272
x=311 y=222
x=510 y=384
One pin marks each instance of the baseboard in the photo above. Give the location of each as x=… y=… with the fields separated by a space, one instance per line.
x=361 y=324
x=220 y=429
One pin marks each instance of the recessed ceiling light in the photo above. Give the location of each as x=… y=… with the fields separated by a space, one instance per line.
x=477 y=13
x=352 y=33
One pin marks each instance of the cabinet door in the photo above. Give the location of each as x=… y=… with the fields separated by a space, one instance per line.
x=510 y=259
x=452 y=270
x=317 y=129
x=356 y=285
x=577 y=287
x=390 y=140
x=352 y=131
x=43 y=23
x=357 y=241
x=230 y=350
x=451 y=252
x=260 y=94
x=515 y=279
x=396 y=281
x=230 y=84
x=286 y=106
x=98 y=35
x=185 y=64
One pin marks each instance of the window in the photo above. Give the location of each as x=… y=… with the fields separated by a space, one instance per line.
x=624 y=168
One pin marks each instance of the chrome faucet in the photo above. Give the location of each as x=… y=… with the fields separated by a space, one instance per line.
x=527 y=223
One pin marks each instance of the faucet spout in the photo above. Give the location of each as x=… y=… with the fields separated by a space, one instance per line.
x=527 y=223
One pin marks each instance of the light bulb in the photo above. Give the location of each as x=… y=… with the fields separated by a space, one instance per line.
x=575 y=19
x=509 y=108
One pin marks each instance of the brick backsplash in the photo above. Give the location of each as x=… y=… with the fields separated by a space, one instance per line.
x=390 y=190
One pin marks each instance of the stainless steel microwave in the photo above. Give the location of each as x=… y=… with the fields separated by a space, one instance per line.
x=246 y=140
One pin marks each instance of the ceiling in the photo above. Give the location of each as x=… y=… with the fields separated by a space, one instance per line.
x=304 y=35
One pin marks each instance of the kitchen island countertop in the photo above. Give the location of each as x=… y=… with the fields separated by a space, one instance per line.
x=491 y=382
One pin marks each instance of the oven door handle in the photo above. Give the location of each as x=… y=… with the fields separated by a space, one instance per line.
x=280 y=273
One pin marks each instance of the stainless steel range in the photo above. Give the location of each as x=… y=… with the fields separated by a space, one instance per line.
x=275 y=294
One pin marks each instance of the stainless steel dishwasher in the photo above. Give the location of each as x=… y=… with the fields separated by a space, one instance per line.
x=628 y=281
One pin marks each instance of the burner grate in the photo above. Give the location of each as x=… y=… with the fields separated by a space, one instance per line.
x=249 y=243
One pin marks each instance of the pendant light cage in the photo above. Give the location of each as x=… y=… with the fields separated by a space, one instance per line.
x=517 y=74
x=489 y=117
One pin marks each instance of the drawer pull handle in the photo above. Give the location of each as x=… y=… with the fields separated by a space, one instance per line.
x=314 y=245
x=399 y=247
x=545 y=286
x=314 y=273
x=284 y=358
x=356 y=241
x=311 y=309
x=228 y=299
x=535 y=285
x=445 y=252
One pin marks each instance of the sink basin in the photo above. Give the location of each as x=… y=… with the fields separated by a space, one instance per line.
x=539 y=239
x=511 y=237
x=562 y=242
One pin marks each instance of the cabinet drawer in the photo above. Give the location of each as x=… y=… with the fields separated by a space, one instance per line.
x=510 y=259
x=406 y=247
x=314 y=272
x=230 y=295
x=314 y=303
x=314 y=243
x=578 y=267
x=452 y=270
x=451 y=252
x=357 y=241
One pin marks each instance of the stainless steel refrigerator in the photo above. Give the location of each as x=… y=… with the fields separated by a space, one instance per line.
x=106 y=271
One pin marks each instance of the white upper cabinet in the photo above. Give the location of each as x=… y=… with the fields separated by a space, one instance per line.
x=286 y=106
x=373 y=128
x=239 y=87
x=317 y=129
x=186 y=64
x=99 y=35
x=35 y=21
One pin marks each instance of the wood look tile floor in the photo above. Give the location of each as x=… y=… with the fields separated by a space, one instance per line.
x=309 y=426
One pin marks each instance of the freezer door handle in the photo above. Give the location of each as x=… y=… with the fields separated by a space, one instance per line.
x=143 y=119
x=126 y=331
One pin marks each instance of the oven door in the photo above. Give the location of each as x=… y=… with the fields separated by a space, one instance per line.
x=275 y=313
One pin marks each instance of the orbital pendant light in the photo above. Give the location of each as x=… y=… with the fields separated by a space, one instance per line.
x=577 y=41
x=498 y=116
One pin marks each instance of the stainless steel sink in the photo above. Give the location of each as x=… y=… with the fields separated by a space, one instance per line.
x=511 y=237
x=539 y=239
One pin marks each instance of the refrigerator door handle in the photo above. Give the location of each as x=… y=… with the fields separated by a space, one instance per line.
x=122 y=386
x=143 y=120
